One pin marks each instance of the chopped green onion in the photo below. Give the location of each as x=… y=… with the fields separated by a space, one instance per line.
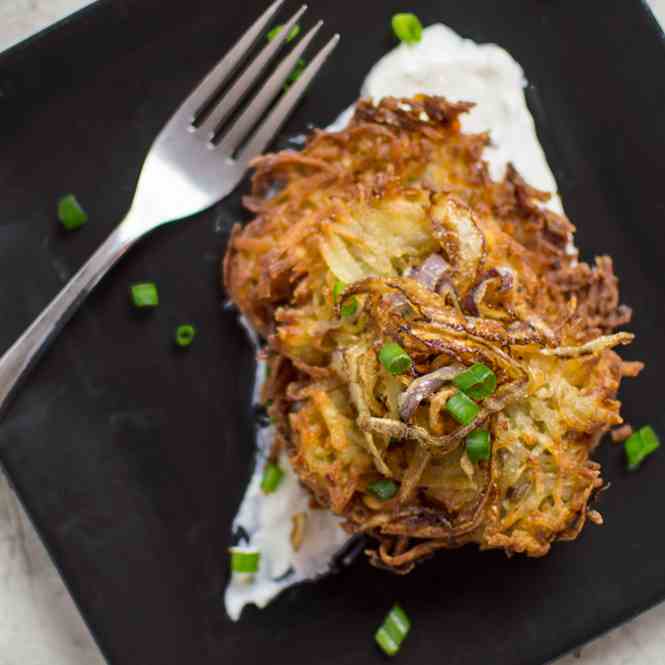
x=383 y=489
x=337 y=290
x=272 y=477
x=394 y=358
x=478 y=382
x=244 y=560
x=392 y=632
x=293 y=33
x=350 y=307
x=639 y=445
x=386 y=642
x=300 y=64
x=408 y=28
x=70 y=213
x=184 y=334
x=295 y=73
x=144 y=294
x=478 y=445
x=462 y=408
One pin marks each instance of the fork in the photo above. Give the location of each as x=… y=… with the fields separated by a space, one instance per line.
x=198 y=158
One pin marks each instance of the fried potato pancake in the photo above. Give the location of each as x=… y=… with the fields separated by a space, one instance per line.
x=393 y=231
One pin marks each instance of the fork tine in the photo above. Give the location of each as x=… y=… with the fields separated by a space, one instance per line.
x=265 y=96
x=266 y=132
x=203 y=93
x=235 y=95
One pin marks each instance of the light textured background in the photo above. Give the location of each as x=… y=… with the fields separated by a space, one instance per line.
x=39 y=624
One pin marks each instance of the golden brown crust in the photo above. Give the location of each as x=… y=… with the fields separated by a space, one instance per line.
x=367 y=206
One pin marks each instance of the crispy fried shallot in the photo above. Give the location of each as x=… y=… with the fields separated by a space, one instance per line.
x=424 y=386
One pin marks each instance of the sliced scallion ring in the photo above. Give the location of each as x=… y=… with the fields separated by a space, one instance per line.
x=393 y=631
x=184 y=334
x=640 y=445
x=407 y=27
x=337 y=290
x=70 y=213
x=144 y=294
x=394 y=358
x=383 y=489
x=478 y=382
x=293 y=33
x=478 y=445
x=272 y=477
x=350 y=307
x=295 y=73
x=462 y=408
x=244 y=561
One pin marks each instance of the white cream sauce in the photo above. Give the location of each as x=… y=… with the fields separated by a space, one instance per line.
x=266 y=520
x=442 y=63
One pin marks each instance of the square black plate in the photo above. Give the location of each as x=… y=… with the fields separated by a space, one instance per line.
x=131 y=457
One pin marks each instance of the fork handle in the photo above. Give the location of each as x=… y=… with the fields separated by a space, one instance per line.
x=22 y=355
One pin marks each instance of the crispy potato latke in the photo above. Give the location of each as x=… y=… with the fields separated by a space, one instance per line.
x=457 y=269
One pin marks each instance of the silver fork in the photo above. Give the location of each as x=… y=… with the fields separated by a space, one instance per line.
x=187 y=169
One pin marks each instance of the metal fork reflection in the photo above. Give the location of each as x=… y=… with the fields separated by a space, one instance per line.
x=198 y=158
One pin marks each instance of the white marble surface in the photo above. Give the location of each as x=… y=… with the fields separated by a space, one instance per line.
x=39 y=624
x=21 y=18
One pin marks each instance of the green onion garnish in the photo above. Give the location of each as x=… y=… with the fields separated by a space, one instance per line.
x=293 y=33
x=395 y=628
x=462 y=408
x=295 y=73
x=350 y=307
x=383 y=489
x=184 y=334
x=639 y=445
x=478 y=382
x=300 y=65
x=144 y=294
x=478 y=445
x=272 y=477
x=70 y=213
x=244 y=560
x=408 y=28
x=337 y=290
x=394 y=358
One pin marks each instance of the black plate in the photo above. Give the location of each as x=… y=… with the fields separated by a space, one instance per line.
x=131 y=457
